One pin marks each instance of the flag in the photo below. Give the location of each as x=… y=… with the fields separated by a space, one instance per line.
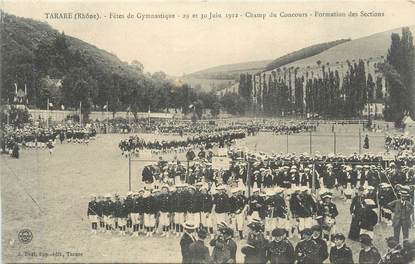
x=50 y=105
x=105 y=107
x=62 y=107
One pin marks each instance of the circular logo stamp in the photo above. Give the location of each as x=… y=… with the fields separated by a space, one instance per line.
x=25 y=236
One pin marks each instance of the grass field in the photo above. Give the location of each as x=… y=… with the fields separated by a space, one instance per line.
x=49 y=196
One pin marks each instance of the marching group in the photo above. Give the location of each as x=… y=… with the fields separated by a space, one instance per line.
x=185 y=127
x=134 y=143
x=263 y=192
x=400 y=142
x=34 y=137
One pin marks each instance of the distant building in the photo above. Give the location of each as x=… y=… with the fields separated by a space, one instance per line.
x=375 y=109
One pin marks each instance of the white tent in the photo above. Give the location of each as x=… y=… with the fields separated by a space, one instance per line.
x=409 y=125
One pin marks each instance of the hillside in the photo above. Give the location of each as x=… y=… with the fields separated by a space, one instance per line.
x=372 y=46
x=32 y=52
x=230 y=69
x=223 y=76
x=23 y=35
x=303 y=53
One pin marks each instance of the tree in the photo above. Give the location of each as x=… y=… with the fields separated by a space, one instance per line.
x=398 y=71
x=396 y=106
x=379 y=88
x=370 y=88
x=137 y=66
x=79 y=87
x=215 y=110
x=233 y=103
x=198 y=108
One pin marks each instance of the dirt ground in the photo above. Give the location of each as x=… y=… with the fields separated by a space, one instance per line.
x=49 y=195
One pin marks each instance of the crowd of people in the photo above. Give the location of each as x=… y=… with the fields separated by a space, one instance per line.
x=187 y=127
x=279 y=249
x=34 y=137
x=252 y=127
x=401 y=142
x=292 y=192
x=134 y=144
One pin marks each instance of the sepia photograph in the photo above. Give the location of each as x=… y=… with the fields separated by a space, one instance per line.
x=184 y=131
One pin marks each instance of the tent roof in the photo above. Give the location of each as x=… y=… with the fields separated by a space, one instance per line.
x=408 y=120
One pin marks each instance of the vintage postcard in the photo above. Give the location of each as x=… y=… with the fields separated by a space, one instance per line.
x=207 y=131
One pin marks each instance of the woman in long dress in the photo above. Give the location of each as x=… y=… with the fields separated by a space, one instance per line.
x=356 y=212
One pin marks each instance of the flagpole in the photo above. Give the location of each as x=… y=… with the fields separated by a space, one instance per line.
x=47 y=119
x=149 y=115
x=80 y=113
x=25 y=93
x=129 y=121
x=107 y=130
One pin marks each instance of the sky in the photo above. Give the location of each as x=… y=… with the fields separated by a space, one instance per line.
x=181 y=46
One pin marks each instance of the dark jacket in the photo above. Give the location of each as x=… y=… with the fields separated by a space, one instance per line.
x=281 y=252
x=341 y=255
x=369 y=219
x=394 y=256
x=255 y=250
x=185 y=243
x=221 y=202
x=92 y=208
x=221 y=255
x=322 y=250
x=401 y=213
x=230 y=244
x=199 y=253
x=369 y=257
x=306 y=252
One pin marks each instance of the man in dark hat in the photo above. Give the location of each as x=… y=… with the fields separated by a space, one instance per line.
x=226 y=233
x=165 y=207
x=230 y=243
x=306 y=250
x=238 y=206
x=356 y=208
x=340 y=253
x=323 y=250
x=386 y=195
x=255 y=250
x=186 y=240
x=220 y=204
x=394 y=254
x=220 y=252
x=15 y=150
x=199 y=253
x=92 y=213
x=280 y=250
x=368 y=254
x=402 y=212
